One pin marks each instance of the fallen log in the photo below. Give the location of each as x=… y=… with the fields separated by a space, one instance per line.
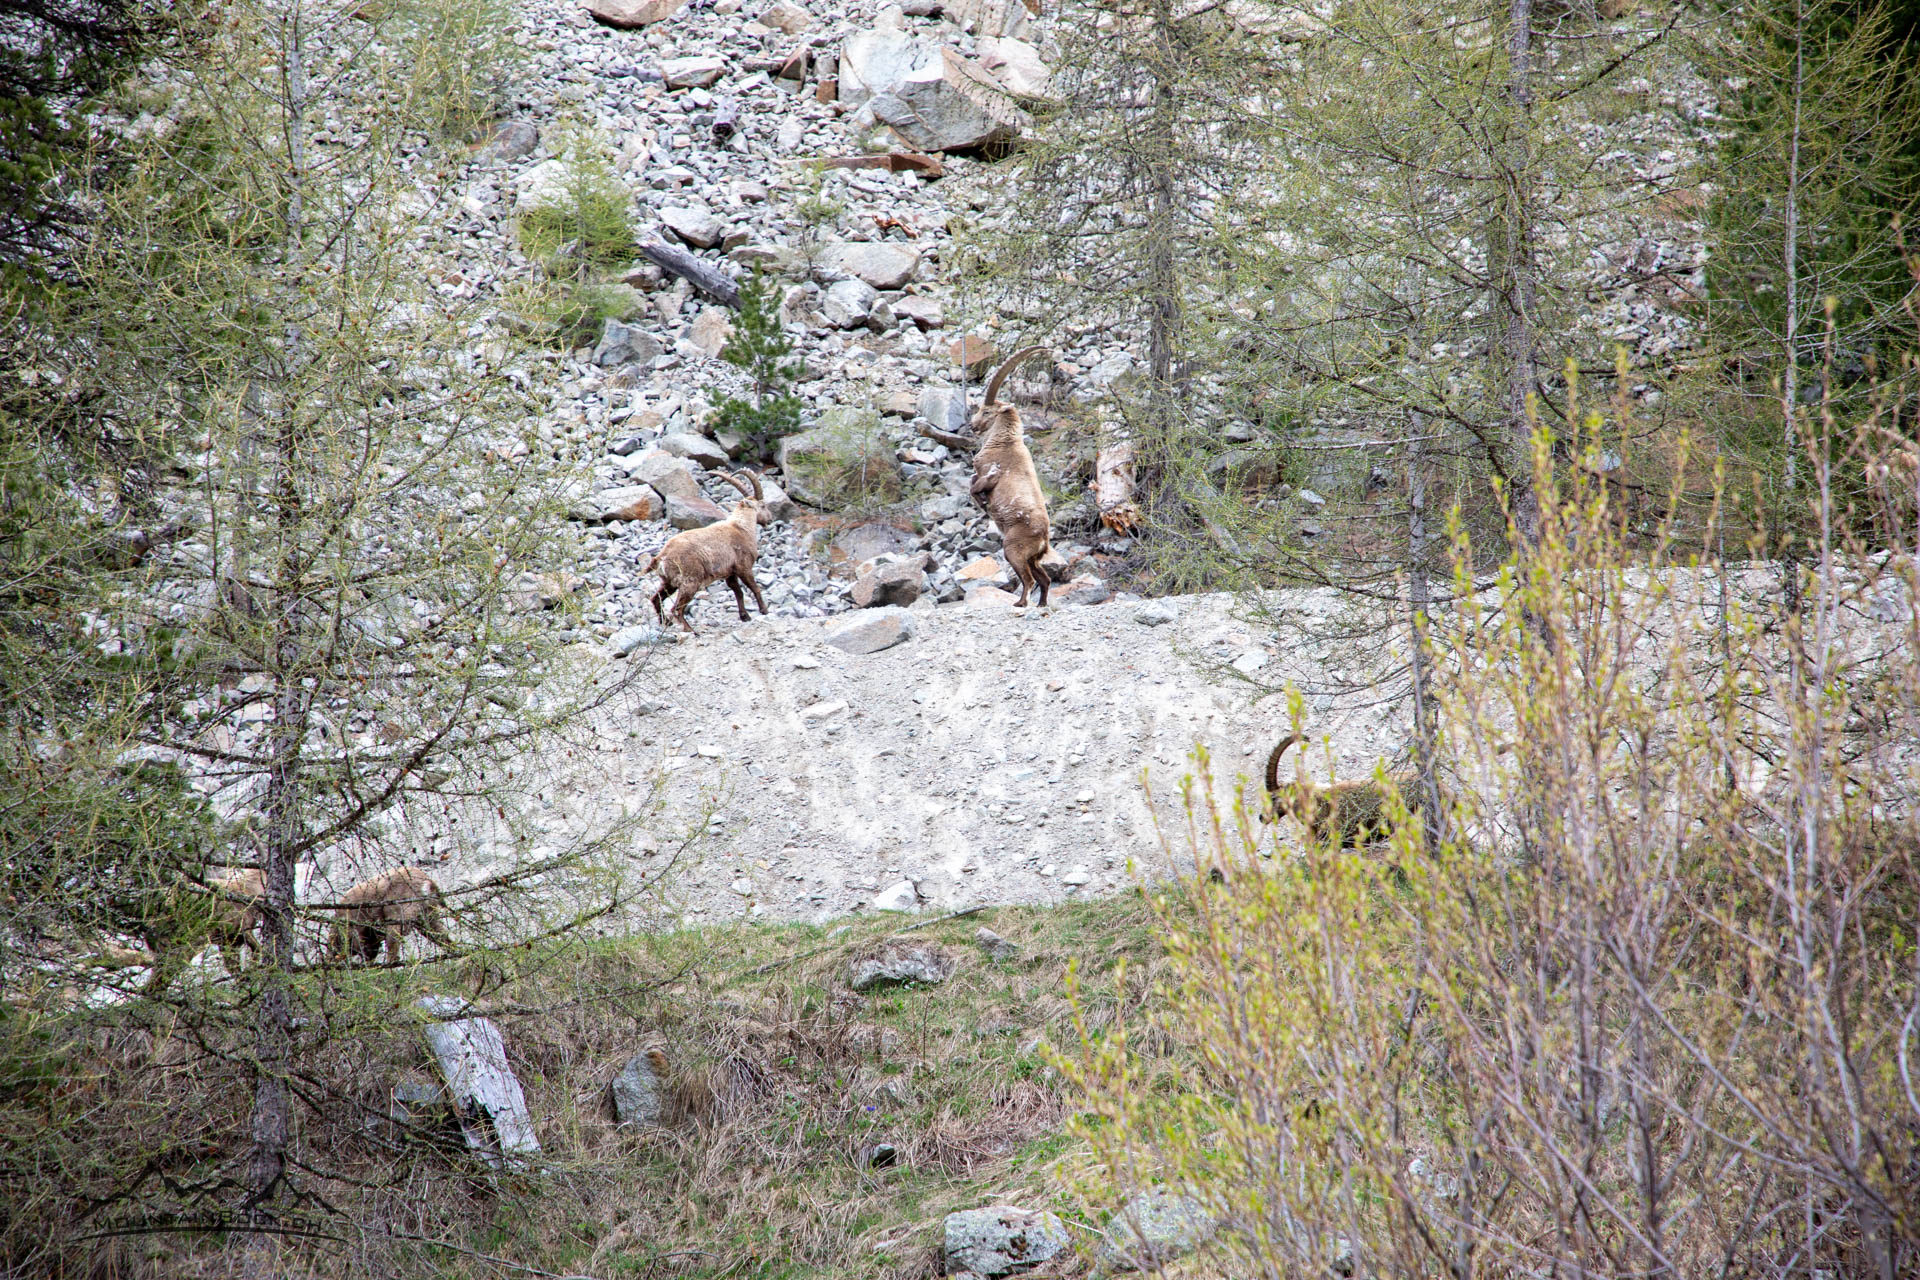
x=486 y=1096
x=708 y=279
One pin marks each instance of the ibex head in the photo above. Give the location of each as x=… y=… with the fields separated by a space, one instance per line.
x=991 y=410
x=749 y=497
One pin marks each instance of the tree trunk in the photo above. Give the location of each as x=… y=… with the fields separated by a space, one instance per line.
x=1790 y=372
x=1163 y=283
x=710 y=280
x=1424 y=747
x=1514 y=282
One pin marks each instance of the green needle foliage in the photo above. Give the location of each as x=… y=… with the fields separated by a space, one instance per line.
x=758 y=345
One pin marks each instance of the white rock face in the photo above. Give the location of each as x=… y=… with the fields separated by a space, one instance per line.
x=873 y=61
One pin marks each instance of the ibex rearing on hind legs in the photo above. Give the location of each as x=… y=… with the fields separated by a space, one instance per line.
x=1007 y=485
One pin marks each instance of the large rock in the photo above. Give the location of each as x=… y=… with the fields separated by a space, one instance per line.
x=890 y=584
x=895 y=962
x=1016 y=65
x=698 y=227
x=693 y=513
x=711 y=329
x=692 y=73
x=629 y=502
x=1153 y=1229
x=778 y=504
x=666 y=472
x=694 y=448
x=952 y=104
x=874 y=61
x=871 y=632
x=638 y=1091
x=630 y=14
x=847 y=303
x=841 y=461
x=624 y=344
x=788 y=18
x=945 y=408
x=513 y=140
x=923 y=311
x=1000 y=1240
x=882 y=265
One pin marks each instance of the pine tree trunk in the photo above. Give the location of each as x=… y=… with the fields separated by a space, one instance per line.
x=1163 y=283
x=1790 y=371
x=1418 y=600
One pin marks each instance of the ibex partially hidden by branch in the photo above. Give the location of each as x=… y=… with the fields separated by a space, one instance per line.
x=383 y=910
x=693 y=560
x=1006 y=484
x=1349 y=814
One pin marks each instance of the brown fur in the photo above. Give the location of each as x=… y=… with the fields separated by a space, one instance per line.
x=233 y=926
x=384 y=910
x=1350 y=814
x=695 y=559
x=1007 y=485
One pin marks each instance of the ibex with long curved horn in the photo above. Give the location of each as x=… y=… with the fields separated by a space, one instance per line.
x=726 y=551
x=1006 y=484
x=1351 y=814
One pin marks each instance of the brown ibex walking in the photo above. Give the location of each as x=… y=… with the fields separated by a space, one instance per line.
x=693 y=560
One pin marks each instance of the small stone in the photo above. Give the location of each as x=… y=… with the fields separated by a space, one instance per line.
x=627 y=639
x=900 y=896
x=999 y=1240
x=694 y=448
x=1310 y=498
x=692 y=73
x=895 y=961
x=698 y=227
x=629 y=502
x=1076 y=877
x=998 y=949
x=982 y=596
x=822 y=711
x=513 y=140
x=890 y=584
x=743 y=887
x=872 y=631
x=1155 y=614
x=692 y=513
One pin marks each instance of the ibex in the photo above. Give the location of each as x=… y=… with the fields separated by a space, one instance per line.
x=1006 y=484
x=229 y=919
x=693 y=560
x=384 y=910
x=1350 y=814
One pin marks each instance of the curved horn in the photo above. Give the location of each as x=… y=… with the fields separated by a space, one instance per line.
x=754 y=478
x=733 y=479
x=1000 y=374
x=1273 y=768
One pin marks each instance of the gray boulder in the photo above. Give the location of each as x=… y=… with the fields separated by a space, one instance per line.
x=628 y=15
x=896 y=962
x=694 y=448
x=668 y=474
x=692 y=73
x=628 y=502
x=513 y=140
x=1154 y=1228
x=637 y=1092
x=696 y=512
x=890 y=584
x=945 y=408
x=842 y=460
x=950 y=104
x=882 y=265
x=698 y=227
x=873 y=61
x=923 y=311
x=872 y=631
x=624 y=344
x=1000 y=1240
x=847 y=303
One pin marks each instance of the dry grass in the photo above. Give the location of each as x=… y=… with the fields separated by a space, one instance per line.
x=774 y=1181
